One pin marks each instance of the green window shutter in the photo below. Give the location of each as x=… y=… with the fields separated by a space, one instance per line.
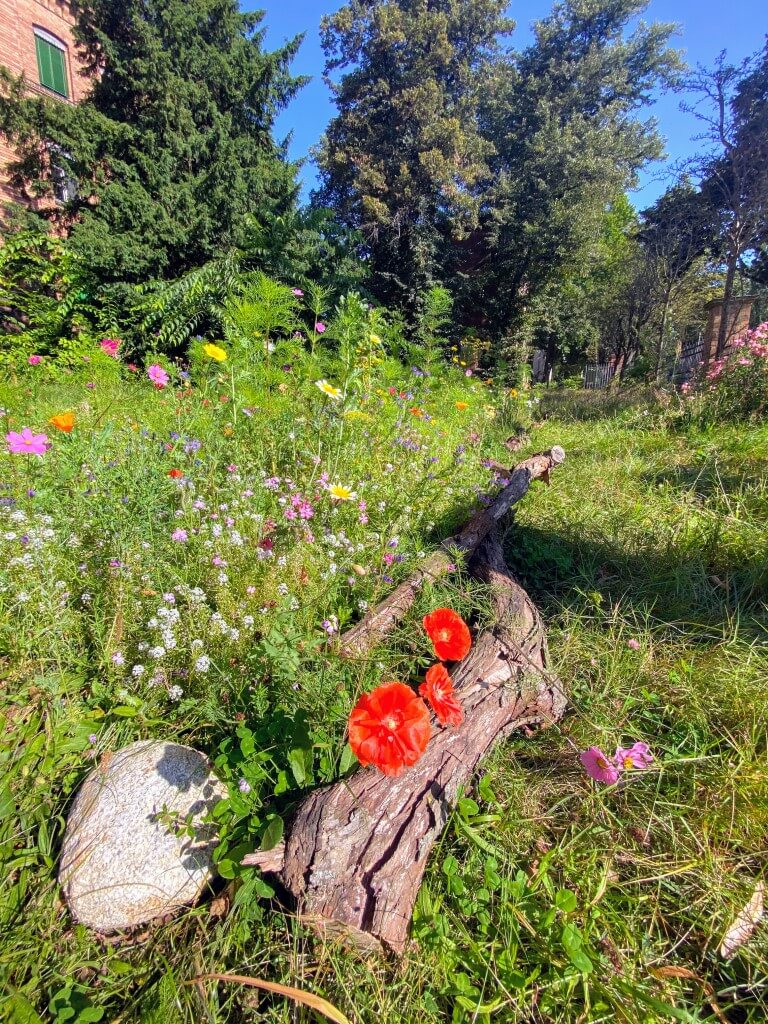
x=51 y=65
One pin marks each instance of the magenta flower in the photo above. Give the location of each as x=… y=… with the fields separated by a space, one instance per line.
x=27 y=443
x=180 y=536
x=599 y=766
x=110 y=346
x=633 y=645
x=35 y=360
x=297 y=292
x=157 y=375
x=637 y=756
x=320 y=327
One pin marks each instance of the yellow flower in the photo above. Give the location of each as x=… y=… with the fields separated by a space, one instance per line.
x=356 y=414
x=341 y=493
x=215 y=352
x=374 y=339
x=228 y=431
x=329 y=389
x=513 y=392
x=462 y=363
x=462 y=405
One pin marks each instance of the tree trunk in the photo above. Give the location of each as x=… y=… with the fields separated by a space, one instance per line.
x=662 y=332
x=357 y=850
x=382 y=619
x=722 y=334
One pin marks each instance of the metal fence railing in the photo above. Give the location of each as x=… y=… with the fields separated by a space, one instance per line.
x=598 y=375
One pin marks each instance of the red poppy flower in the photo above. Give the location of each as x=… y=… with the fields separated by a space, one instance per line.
x=389 y=728
x=449 y=634
x=437 y=688
x=175 y=474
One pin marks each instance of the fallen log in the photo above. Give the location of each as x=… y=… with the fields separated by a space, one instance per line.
x=357 y=850
x=382 y=619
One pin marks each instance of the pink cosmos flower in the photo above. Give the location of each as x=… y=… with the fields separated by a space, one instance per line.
x=297 y=292
x=157 y=375
x=110 y=346
x=27 y=443
x=35 y=360
x=599 y=766
x=637 y=756
x=320 y=327
x=633 y=645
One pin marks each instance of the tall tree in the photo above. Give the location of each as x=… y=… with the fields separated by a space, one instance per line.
x=562 y=116
x=676 y=231
x=403 y=160
x=734 y=172
x=173 y=146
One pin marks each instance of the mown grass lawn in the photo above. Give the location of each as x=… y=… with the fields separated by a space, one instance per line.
x=549 y=898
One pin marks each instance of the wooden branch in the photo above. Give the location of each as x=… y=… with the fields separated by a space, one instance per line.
x=382 y=619
x=356 y=851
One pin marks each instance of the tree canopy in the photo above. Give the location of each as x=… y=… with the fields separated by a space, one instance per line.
x=173 y=145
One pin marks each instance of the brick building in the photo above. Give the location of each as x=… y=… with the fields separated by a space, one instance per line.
x=36 y=40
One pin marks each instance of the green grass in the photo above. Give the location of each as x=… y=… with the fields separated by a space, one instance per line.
x=547 y=899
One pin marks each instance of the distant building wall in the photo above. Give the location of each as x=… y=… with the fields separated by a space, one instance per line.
x=737 y=323
x=36 y=41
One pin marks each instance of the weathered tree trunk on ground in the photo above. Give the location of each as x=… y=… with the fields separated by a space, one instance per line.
x=382 y=619
x=356 y=851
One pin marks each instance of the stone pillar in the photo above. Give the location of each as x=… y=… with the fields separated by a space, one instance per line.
x=739 y=310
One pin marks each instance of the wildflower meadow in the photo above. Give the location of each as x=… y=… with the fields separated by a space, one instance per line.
x=184 y=544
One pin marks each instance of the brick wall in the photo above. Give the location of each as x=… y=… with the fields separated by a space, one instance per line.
x=739 y=310
x=18 y=19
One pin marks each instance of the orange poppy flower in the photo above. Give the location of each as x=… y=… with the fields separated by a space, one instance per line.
x=175 y=474
x=449 y=634
x=389 y=728
x=63 y=421
x=437 y=688
x=416 y=411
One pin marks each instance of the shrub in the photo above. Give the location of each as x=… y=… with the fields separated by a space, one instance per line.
x=734 y=387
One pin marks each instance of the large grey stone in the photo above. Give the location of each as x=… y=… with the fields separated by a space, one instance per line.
x=127 y=855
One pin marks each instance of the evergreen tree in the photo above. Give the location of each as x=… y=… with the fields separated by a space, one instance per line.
x=561 y=116
x=173 y=146
x=403 y=161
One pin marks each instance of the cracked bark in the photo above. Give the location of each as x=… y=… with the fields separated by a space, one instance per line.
x=356 y=851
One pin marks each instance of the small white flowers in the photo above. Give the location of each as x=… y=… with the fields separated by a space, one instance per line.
x=175 y=692
x=137 y=671
x=202 y=664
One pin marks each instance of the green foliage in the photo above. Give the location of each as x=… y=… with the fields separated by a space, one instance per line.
x=404 y=160
x=172 y=147
x=432 y=325
x=47 y=307
x=560 y=115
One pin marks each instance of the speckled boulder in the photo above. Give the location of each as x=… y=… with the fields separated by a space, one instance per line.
x=127 y=855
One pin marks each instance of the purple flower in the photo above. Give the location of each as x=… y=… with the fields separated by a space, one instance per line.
x=637 y=756
x=297 y=292
x=158 y=375
x=320 y=327
x=27 y=443
x=180 y=536
x=634 y=645
x=35 y=360
x=244 y=786
x=599 y=766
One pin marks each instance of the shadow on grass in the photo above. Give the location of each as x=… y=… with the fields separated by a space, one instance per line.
x=683 y=588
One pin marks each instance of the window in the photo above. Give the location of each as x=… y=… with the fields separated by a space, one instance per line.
x=51 y=62
x=64 y=185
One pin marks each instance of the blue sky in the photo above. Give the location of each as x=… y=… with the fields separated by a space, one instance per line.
x=705 y=28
